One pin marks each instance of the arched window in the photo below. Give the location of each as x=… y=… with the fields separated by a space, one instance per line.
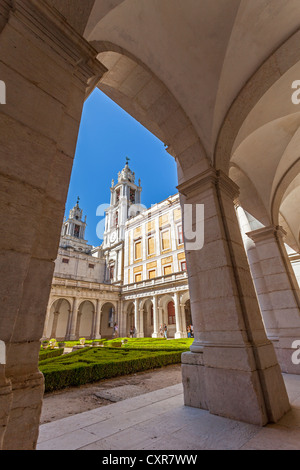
x=171 y=313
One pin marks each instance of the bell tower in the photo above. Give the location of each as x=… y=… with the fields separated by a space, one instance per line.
x=125 y=203
x=73 y=231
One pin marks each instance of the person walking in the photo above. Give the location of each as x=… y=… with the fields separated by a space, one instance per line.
x=165 y=331
x=116 y=329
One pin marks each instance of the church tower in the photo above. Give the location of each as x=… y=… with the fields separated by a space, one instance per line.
x=73 y=231
x=125 y=203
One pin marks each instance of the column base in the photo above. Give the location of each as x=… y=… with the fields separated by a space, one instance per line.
x=252 y=396
x=5 y=406
x=97 y=337
x=193 y=379
x=27 y=397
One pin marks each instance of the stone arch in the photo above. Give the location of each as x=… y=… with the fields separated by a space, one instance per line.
x=163 y=303
x=85 y=319
x=154 y=106
x=148 y=317
x=128 y=309
x=59 y=318
x=261 y=82
x=282 y=189
x=108 y=317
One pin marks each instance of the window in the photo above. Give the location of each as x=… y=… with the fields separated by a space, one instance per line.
x=65 y=260
x=117 y=219
x=171 y=313
x=165 y=240
x=138 y=250
x=183 y=265
x=167 y=270
x=180 y=234
x=118 y=192
x=138 y=277
x=152 y=274
x=132 y=196
x=111 y=272
x=151 y=246
x=91 y=266
x=76 y=231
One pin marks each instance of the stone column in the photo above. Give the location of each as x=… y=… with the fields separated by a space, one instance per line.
x=278 y=293
x=232 y=368
x=136 y=318
x=48 y=70
x=155 y=333
x=74 y=316
x=97 y=333
x=160 y=316
x=54 y=324
x=183 y=320
x=44 y=337
x=141 y=323
x=178 y=332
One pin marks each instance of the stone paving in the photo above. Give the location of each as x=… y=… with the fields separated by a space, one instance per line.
x=159 y=421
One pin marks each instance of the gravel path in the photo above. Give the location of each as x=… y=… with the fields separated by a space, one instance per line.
x=75 y=400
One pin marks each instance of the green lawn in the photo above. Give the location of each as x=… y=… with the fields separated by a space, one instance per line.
x=93 y=364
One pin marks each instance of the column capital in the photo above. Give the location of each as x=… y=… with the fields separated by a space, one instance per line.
x=208 y=179
x=266 y=233
x=60 y=38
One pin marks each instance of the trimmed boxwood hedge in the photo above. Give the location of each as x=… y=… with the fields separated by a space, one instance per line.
x=50 y=353
x=94 y=364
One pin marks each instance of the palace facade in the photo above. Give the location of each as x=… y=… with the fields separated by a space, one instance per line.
x=137 y=278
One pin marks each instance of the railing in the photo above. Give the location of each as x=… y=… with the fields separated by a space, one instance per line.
x=84 y=284
x=157 y=281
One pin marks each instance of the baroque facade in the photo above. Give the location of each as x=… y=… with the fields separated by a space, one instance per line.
x=137 y=278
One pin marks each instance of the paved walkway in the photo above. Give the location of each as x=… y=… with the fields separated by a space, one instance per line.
x=159 y=421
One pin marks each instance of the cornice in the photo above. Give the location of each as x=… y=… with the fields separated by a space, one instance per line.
x=266 y=233
x=209 y=178
x=60 y=39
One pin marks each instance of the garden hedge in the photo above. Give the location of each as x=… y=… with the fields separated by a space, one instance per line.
x=50 y=353
x=94 y=364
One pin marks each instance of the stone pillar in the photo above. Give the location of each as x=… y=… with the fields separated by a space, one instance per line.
x=44 y=337
x=136 y=318
x=54 y=324
x=278 y=293
x=183 y=320
x=74 y=316
x=97 y=333
x=141 y=323
x=231 y=369
x=155 y=333
x=178 y=332
x=48 y=70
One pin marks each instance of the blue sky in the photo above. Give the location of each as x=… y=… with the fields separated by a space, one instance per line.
x=106 y=137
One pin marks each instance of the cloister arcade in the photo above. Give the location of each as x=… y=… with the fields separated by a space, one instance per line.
x=145 y=316
x=213 y=80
